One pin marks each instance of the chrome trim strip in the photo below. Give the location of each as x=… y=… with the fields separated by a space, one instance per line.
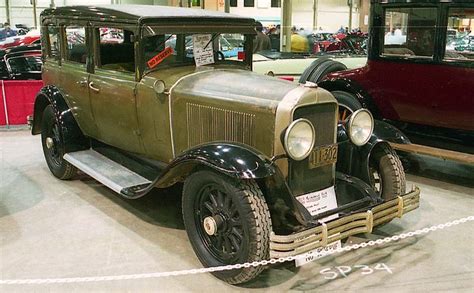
x=326 y=233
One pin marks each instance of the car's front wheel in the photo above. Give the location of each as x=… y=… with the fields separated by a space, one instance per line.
x=227 y=222
x=387 y=175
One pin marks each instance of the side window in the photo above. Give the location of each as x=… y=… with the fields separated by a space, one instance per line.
x=116 y=49
x=460 y=35
x=53 y=42
x=410 y=32
x=76 y=44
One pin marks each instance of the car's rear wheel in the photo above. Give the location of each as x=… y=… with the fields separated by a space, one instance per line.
x=387 y=175
x=227 y=222
x=53 y=146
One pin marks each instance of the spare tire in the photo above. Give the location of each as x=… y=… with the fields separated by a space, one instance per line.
x=320 y=68
x=309 y=70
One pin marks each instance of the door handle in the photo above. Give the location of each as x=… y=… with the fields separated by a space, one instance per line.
x=82 y=83
x=94 y=89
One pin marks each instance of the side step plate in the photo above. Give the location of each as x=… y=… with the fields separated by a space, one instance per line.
x=108 y=172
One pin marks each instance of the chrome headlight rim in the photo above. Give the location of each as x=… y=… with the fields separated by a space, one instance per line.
x=351 y=122
x=287 y=134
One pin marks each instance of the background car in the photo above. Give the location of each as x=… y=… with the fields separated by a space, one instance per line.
x=21 y=63
x=420 y=82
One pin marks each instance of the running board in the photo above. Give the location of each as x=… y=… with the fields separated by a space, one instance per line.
x=108 y=172
x=434 y=152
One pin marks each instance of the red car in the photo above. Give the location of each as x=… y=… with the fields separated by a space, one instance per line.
x=31 y=38
x=413 y=78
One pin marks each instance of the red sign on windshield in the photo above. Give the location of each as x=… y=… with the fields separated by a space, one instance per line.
x=153 y=62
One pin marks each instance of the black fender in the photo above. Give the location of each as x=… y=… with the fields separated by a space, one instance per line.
x=231 y=159
x=350 y=86
x=354 y=160
x=240 y=162
x=73 y=138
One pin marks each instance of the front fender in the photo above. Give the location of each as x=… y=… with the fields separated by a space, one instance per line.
x=232 y=159
x=354 y=160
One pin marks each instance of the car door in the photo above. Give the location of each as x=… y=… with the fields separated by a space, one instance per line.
x=406 y=90
x=112 y=88
x=455 y=103
x=74 y=76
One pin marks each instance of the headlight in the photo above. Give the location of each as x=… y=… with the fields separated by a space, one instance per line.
x=299 y=139
x=360 y=127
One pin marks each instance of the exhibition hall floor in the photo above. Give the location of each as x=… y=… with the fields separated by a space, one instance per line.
x=60 y=229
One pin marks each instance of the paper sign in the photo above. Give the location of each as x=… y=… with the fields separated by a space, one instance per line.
x=203 y=55
x=316 y=203
x=153 y=62
x=320 y=201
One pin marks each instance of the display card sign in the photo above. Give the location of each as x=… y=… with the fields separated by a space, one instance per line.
x=316 y=203
x=203 y=49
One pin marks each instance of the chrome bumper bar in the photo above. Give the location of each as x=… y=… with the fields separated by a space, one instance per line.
x=326 y=233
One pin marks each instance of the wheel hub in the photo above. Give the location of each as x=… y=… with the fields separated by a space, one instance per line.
x=211 y=224
x=49 y=142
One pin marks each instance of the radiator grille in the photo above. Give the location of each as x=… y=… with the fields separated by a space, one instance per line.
x=207 y=123
x=301 y=178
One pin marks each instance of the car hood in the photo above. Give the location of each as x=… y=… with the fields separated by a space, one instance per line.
x=233 y=85
x=235 y=105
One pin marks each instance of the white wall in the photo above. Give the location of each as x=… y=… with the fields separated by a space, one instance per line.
x=261 y=11
x=331 y=14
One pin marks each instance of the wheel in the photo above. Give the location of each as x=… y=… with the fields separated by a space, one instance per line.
x=227 y=222
x=348 y=104
x=309 y=70
x=324 y=69
x=386 y=172
x=319 y=69
x=53 y=146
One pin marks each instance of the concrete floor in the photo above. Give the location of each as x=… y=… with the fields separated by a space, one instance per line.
x=51 y=228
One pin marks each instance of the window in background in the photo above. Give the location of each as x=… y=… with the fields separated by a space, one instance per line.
x=53 y=42
x=76 y=44
x=276 y=3
x=233 y=3
x=410 y=32
x=249 y=3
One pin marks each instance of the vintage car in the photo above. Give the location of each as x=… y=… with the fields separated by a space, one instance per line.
x=348 y=53
x=418 y=81
x=264 y=161
x=20 y=63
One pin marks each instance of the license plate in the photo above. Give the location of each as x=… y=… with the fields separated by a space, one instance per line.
x=324 y=155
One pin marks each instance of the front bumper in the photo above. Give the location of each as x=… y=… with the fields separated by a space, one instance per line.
x=326 y=233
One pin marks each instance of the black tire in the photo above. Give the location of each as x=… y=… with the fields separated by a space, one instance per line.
x=311 y=68
x=387 y=175
x=324 y=69
x=245 y=225
x=348 y=103
x=50 y=128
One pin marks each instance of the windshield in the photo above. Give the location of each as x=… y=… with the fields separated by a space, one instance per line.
x=171 y=50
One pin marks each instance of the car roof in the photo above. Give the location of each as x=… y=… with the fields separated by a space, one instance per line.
x=137 y=13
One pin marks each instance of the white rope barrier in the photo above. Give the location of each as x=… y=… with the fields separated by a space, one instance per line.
x=236 y=266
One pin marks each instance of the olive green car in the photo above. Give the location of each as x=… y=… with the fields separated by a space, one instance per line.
x=139 y=97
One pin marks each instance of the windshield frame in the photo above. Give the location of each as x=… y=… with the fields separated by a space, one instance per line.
x=186 y=29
